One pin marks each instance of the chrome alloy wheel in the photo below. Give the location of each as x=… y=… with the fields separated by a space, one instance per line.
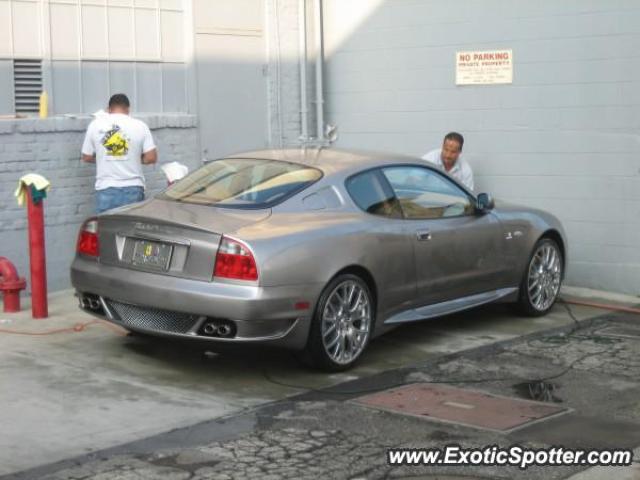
x=346 y=321
x=544 y=277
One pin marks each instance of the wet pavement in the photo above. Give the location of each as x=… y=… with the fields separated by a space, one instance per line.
x=259 y=414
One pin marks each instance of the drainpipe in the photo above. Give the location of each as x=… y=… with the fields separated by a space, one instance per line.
x=319 y=67
x=304 y=111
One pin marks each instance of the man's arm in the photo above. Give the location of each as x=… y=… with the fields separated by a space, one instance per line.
x=88 y=148
x=150 y=157
x=149 y=150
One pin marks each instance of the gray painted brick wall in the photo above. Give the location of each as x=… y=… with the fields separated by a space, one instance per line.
x=565 y=136
x=51 y=147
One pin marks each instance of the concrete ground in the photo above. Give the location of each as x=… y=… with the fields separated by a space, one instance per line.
x=74 y=393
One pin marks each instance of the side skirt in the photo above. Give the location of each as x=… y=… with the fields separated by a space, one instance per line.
x=450 y=306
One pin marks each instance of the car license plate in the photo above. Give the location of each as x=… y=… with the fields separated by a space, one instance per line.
x=152 y=254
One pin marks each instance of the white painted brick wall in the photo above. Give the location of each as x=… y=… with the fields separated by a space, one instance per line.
x=284 y=76
x=563 y=137
x=51 y=147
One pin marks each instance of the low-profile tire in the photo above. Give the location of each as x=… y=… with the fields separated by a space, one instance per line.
x=541 y=280
x=341 y=325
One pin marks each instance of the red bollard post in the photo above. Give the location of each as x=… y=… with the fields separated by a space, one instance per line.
x=35 y=215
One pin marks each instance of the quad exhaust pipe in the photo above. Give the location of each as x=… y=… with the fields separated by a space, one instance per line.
x=219 y=328
x=90 y=303
x=224 y=330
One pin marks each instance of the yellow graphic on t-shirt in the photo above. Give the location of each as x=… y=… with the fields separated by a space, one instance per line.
x=115 y=142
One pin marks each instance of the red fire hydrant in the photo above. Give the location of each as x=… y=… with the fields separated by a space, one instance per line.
x=10 y=285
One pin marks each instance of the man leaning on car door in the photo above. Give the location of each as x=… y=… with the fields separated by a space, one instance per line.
x=449 y=158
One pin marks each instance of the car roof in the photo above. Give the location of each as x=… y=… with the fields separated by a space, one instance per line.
x=329 y=160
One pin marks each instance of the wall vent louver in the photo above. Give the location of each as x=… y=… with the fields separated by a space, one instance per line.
x=27 y=85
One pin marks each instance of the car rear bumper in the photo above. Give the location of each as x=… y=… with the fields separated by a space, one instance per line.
x=178 y=307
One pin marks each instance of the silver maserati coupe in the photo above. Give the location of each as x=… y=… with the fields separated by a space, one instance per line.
x=317 y=250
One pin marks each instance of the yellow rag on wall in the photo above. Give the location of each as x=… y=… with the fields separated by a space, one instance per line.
x=38 y=181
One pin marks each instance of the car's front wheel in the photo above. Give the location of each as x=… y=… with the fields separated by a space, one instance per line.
x=342 y=324
x=541 y=281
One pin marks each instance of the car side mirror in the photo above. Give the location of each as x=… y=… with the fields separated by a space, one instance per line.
x=484 y=202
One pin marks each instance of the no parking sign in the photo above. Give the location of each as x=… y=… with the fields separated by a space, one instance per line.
x=488 y=67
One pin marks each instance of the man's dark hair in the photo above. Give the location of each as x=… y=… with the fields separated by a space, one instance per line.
x=456 y=137
x=119 y=100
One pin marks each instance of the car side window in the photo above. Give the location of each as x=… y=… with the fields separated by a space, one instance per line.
x=423 y=193
x=372 y=194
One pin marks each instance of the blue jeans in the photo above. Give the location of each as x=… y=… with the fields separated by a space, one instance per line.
x=114 y=197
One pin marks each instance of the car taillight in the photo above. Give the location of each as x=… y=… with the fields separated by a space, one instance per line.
x=234 y=260
x=88 y=239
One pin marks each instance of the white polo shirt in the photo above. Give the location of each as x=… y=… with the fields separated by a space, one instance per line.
x=118 y=141
x=461 y=171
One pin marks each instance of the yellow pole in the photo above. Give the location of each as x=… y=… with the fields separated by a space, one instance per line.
x=44 y=105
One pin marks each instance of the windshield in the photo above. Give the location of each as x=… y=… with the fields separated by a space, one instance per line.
x=242 y=183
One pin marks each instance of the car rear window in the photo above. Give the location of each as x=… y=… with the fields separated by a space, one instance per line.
x=242 y=183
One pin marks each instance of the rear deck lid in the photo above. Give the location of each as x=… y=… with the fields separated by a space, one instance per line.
x=170 y=238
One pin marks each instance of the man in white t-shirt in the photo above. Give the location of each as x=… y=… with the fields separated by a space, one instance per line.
x=119 y=145
x=449 y=159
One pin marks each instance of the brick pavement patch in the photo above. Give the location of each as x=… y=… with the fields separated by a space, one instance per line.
x=461 y=406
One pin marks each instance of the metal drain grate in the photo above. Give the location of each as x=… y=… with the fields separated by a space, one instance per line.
x=154 y=319
x=457 y=405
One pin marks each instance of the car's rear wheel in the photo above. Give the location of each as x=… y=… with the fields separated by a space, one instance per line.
x=542 y=279
x=341 y=325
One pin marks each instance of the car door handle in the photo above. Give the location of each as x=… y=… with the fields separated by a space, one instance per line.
x=423 y=235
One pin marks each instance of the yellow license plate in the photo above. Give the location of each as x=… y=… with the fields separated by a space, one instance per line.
x=156 y=255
